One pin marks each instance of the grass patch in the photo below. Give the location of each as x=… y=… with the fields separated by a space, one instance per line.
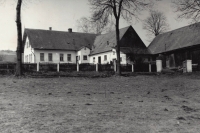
x=80 y=104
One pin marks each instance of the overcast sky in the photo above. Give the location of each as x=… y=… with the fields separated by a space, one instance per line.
x=63 y=14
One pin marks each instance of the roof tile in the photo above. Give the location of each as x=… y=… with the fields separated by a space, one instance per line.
x=176 y=39
x=48 y=39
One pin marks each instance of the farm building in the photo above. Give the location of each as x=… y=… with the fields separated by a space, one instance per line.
x=72 y=47
x=131 y=46
x=175 y=46
x=56 y=46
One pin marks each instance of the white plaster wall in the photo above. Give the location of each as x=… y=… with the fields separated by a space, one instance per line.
x=81 y=52
x=122 y=55
x=56 y=56
x=55 y=53
x=28 y=51
x=110 y=57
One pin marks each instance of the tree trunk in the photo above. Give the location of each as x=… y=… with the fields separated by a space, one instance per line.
x=118 y=48
x=19 y=39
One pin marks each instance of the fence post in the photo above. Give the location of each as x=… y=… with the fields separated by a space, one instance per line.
x=58 y=67
x=133 y=67
x=97 y=67
x=77 y=67
x=38 y=66
x=159 y=65
x=189 y=65
x=149 y=66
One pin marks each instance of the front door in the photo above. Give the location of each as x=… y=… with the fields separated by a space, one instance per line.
x=99 y=59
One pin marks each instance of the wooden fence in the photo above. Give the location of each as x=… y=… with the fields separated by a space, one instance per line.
x=105 y=67
x=87 y=67
x=68 y=67
x=7 y=66
x=29 y=67
x=126 y=67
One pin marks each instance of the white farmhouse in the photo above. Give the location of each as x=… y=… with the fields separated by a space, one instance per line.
x=48 y=46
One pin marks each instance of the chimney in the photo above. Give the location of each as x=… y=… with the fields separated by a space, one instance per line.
x=50 y=28
x=70 y=30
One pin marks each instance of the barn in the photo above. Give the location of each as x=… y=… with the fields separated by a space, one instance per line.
x=178 y=45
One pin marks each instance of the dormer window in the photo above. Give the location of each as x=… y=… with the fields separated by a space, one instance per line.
x=85 y=48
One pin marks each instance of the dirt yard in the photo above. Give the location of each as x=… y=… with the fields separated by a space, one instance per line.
x=136 y=104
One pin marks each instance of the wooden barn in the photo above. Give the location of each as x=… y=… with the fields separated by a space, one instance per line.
x=132 y=47
x=176 y=46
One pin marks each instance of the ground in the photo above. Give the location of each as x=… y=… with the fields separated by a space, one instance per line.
x=135 y=104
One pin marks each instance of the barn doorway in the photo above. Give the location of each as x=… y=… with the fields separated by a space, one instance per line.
x=99 y=59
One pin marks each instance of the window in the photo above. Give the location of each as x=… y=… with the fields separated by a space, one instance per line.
x=105 y=57
x=26 y=58
x=27 y=44
x=93 y=59
x=84 y=57
x=31 y=58
x=113 y=52
x=50 y=57
x=41 y=56
x=61 y=57
x=69 y=57
x=120 y=59
x=79 y=57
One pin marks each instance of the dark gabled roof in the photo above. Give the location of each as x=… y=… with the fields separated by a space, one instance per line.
x=49 y=39
x=101 y=42
x=177 y=39
x=129 y=39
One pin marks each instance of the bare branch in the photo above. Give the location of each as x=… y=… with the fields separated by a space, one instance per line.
x=88 y=26
x=189 y=9
x=156 y=23
x=128 y=9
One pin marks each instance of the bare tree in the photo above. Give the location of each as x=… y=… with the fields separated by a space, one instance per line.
x=89 y=26
x=83 y=25
x=2 y=57
x=189 y=9
x=156 y=23
x=103 y=9
x=110 y=27
x=19 y=34
x=19 y=39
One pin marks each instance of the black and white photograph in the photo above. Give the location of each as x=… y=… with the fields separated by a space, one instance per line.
x=100 y=66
